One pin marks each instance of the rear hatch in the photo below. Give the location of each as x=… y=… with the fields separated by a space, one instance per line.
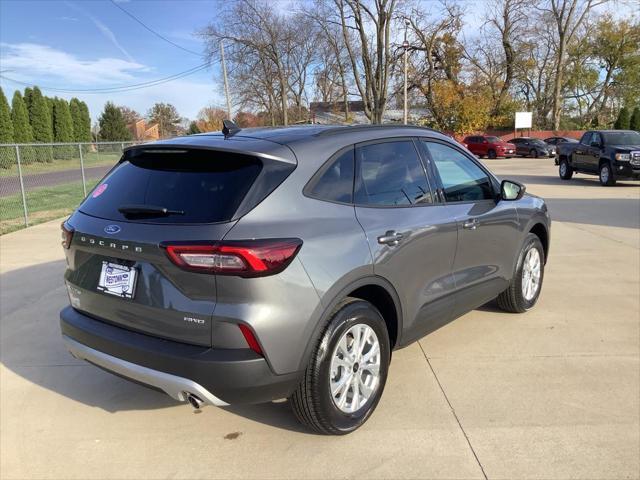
x=118 y=268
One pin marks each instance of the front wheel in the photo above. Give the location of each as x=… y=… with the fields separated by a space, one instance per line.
x=492 y=154
x=533 y=153
x=564 y=170
x=524 y=290
x=606 y=175
x=345 y=378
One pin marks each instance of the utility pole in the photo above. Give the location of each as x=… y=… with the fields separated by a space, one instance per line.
x=226 y=83
x=405 y=45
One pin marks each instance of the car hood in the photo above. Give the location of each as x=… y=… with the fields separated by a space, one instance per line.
x=625 y=148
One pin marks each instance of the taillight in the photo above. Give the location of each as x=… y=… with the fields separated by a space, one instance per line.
x=246 y=258
x=250 y=339
x=67 y=234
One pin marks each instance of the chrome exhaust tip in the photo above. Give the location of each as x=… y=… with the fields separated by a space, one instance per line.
x=194 y=401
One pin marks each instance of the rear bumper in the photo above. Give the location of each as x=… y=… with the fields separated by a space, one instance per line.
x=217 y=376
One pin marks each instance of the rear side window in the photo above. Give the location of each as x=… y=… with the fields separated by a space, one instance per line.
x=195 y=186
x=390 y=174
x=462 y=179
x=335 y=182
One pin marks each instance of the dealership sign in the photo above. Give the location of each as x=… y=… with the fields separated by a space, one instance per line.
x=523 y=119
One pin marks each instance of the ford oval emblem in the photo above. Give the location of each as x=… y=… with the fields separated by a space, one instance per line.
x=111 y=229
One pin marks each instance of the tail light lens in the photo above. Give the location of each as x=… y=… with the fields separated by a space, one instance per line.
x=67 y=235
x=247 y=258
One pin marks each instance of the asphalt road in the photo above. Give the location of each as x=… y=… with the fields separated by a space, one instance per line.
x=11 y=185
x=550 y=394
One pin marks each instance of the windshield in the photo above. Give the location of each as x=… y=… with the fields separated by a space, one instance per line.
x=622 y=138
x=539 y=142
x=493 y=140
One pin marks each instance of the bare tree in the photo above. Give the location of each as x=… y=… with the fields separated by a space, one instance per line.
x=567 y=17
x=370 y=58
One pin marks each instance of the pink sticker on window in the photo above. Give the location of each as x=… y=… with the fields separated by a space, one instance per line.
x=100 y=190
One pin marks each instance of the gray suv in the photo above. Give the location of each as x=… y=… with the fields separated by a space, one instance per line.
x=262 y=264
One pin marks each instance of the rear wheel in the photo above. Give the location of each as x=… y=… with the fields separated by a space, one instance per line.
x=492 y=154
x=344 y=381
x=564 y=170
x=606 y=175
x=526 y=284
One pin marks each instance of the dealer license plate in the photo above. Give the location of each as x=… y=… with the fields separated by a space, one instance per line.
x=118 y=280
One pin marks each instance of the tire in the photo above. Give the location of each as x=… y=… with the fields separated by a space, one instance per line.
x=606 y=175
x=516 y=298
x=314 y=403
x=492 y=154
x=533 y=153
x=564 y=170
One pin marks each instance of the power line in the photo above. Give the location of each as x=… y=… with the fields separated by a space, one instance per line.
x=153 y=31
x=121 y=88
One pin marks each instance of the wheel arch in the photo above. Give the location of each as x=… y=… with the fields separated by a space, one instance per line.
x=374 y=289
x=541 y=231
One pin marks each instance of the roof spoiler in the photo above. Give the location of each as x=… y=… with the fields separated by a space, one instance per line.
x=229 y=128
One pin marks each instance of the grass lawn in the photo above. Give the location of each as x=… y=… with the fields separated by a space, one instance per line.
x=43 y=204
x=90 y=159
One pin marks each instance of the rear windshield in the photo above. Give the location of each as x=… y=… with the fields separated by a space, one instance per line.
x=195 y=186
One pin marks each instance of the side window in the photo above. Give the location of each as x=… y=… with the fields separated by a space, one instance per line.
x=335 y=183
x=462 y=179
x=596 y=137
x=390 y=173
x=587 y=138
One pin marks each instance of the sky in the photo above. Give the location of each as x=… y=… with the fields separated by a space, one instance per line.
x=81 y=44
x=91 y=44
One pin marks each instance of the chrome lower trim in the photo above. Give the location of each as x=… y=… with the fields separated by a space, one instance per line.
x=174 y=386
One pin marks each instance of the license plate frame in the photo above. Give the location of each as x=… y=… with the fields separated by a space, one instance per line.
x=118 y=280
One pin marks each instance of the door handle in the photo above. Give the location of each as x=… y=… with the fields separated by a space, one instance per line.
x=471 y=224
x=391 y=238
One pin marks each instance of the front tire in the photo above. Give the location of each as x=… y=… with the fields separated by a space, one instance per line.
x=606 y=175
x=525 y=287
x=345 y=378
x=492 y=154
x=533 y=153
x=564 y=170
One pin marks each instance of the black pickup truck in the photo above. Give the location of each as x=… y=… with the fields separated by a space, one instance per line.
x=610 y=154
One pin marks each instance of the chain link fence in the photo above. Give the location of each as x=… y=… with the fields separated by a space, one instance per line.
x=44 y=181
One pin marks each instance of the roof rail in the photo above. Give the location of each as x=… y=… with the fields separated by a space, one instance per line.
x=351 y=128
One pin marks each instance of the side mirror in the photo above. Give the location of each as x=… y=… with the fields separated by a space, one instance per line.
x=511 y=190
x=485 y=141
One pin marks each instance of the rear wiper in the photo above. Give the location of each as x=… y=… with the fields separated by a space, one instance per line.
x=147 y=210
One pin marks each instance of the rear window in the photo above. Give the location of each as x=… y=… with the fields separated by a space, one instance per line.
x=195 y=186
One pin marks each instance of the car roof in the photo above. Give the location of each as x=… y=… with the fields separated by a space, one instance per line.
x=298 y=133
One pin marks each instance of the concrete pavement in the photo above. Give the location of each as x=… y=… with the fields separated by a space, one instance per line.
x=553 y=393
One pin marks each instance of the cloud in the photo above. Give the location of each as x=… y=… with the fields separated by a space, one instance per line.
x=106 y=31
x=32 y=60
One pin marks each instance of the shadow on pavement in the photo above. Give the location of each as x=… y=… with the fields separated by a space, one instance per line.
x=32 y=348
x=611 y=212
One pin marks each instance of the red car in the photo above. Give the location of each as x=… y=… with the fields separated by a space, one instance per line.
x=491 y=147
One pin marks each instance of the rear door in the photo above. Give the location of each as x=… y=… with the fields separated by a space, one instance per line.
x=118 y=270
x=488 y=234
x=411 y=237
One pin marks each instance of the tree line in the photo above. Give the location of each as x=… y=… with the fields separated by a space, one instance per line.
x=35 y=118
x=570 y=63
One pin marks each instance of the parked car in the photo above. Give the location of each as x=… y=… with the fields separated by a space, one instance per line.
x=555 y=141
x=263 y=264
x=487 y=146
x=610 y=154
x=533 y=147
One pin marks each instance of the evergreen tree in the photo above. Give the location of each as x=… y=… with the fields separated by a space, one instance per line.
x=6 y=127
x=86 y=122
x=22 y=132
x=634 y=124
x=28 y=95
x=623 y=120
x=112 y=125
x=41 y=124
x=6 y=133
x=62 y=128
x=193 y=128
